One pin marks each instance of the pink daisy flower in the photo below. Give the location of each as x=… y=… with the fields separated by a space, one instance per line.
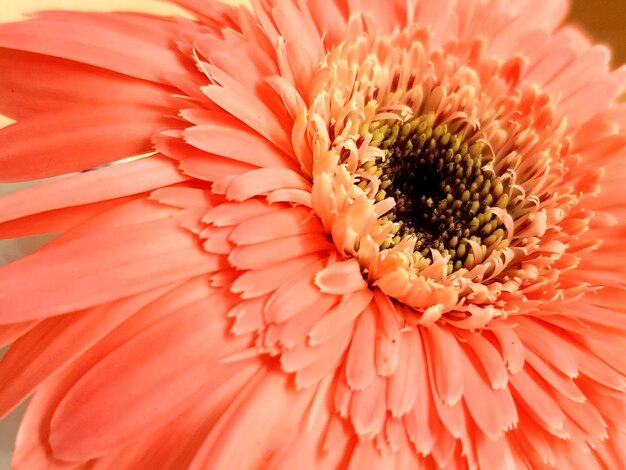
x=362 y=234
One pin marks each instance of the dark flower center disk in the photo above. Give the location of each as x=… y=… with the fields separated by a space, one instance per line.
x=442 y=187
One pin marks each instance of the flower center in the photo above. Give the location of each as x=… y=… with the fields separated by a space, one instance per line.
x=443 y=186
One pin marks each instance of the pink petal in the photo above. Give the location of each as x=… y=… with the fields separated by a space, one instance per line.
x=277 y=224
x=403 y=385
x=66 y=279
x=295 y=295
x=235 y=213
x=71 y=140
x=444 y=358
x=250 y=110
x=94 y=44
x=11 y=332
x=56 y=341
x=263 y=281
x=422 y=423
x=141 y=390
x=57 y=221
x=269 y=415
x=537 y=400
x=368 y=410
x=264 y=180
x=360 y=364
x=341 y=278
x=263 y=255
x=85 y=188
x=199 y=164
x=346 y=312
x=493 y=411
x=236 y=142
x=490 y=359
x=31 y=86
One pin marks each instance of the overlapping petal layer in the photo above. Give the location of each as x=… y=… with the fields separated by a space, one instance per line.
x=237 y=298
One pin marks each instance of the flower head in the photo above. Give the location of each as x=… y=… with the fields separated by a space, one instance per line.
x=361 y=235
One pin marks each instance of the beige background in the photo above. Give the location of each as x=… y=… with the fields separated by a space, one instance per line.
x=603 y=18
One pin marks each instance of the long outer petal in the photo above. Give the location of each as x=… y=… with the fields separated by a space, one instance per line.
x=76 y=139
x=95 y=269
x=85 y=188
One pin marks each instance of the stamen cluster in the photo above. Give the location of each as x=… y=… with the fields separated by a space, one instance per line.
x=443 y=186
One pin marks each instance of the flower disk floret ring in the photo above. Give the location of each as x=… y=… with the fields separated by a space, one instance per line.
x=361 y=234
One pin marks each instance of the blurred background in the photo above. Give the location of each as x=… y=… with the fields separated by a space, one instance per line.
x=603 y=19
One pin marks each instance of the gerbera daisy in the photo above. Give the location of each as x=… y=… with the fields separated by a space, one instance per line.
x=362 y=234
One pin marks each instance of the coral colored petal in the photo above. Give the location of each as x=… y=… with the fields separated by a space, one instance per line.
x=71 y=140
x=445 y=355
x=333 y=353
x=11 y=332
x=360 y=363
x=295 y=331
x=365 y=455
x=278 y=224
x=163 y=449
x=259 y=282
x=184 y=197
x=512 y=348
x=304 y=355
x=341 y=278
x=32 y=445
x=403 y=386
x=263 y=255
x=238 y=143
x=368 y=410
x=217 y=240
x=297 y=294
x=95 y=45
x=560 y=382
x=263 y=180
x=251 y=111
x=490 y=359
x=70 y=276
x=294 y=196
x=493 y=411
x=304 y=452
x=422 y=423
x=537 y=400
x=135 y=211
x=548 y=344
x=57 y=221
x=56 y=341
x=235 y=213
x=199 y=164
x=248 y=316
x=140 y=389
x=390 y=318
x=106 y=183
x=214 y=13
x=270 y=417
x=34 y=84
x=347 y=311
